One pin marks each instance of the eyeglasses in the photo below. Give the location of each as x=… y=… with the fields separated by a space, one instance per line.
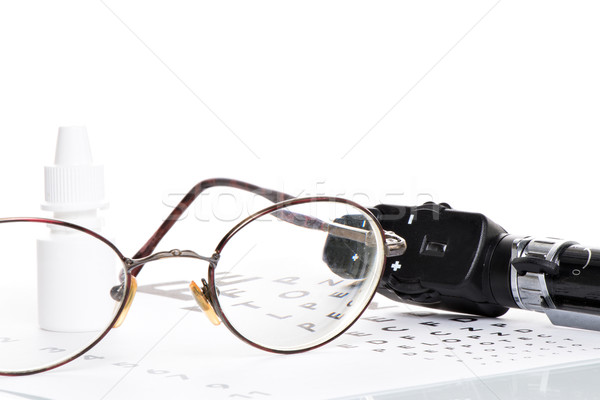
x=328 y=253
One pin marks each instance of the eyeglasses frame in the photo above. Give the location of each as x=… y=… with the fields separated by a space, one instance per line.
x=392 y=245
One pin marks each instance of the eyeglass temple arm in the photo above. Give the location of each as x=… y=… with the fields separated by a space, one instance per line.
x=394 y=244
x=271 y=195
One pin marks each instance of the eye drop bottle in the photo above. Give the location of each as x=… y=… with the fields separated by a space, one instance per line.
x=72 y=269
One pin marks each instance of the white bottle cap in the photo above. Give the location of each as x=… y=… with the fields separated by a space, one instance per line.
x=73 y=183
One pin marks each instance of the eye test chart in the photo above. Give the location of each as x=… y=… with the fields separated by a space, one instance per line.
x=167 y=348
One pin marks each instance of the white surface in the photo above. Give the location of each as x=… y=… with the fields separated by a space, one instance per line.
x=489 y=106
x=166 y=350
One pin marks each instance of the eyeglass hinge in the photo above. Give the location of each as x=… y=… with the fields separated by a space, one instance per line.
x=394 y=244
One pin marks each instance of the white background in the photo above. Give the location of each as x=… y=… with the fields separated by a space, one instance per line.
x=491 y=106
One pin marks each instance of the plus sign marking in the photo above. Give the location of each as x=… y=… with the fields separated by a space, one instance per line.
x=396 y=266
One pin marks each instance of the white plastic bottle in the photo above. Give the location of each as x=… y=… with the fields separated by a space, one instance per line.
x=74 y=271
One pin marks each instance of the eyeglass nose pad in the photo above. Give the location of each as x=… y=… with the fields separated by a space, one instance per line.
x=127 y=303
x=203 y=301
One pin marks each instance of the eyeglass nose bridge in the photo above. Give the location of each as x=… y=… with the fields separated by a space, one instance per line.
x=200 y=295
x=175 y=253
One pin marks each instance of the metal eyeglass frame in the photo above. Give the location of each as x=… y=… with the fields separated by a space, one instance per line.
x=206 y=295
